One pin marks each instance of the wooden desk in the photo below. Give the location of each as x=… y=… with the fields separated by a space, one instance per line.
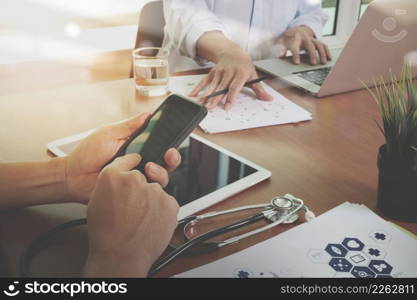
x=326 y=161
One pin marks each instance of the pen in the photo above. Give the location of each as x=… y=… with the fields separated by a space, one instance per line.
x=224 y=91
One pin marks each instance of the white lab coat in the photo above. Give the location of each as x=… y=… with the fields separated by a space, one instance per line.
x=254 y=25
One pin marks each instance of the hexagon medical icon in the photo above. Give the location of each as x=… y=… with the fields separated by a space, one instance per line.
x=380 y=267
x=374 y=252
x=336 y=250
x=362 y=272
x=340 y=265
x=353 y=244
x=380 y=236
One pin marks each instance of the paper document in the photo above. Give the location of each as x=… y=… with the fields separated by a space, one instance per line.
x=347 y=241
x=247 y=112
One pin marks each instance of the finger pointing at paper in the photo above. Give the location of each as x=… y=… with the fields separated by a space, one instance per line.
x=232 y=70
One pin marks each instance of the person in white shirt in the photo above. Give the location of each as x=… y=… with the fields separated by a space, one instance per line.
x=232 y=34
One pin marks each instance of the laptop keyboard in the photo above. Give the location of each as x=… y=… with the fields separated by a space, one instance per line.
x=317 y=76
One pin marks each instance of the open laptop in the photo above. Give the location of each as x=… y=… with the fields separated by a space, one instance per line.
x=385 y=35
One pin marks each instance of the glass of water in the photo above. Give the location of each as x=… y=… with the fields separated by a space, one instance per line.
x=151 y=72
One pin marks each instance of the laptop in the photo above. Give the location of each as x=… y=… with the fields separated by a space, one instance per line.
x=377 y=48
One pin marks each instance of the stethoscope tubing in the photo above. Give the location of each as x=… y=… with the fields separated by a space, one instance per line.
x=269 y=210
x=224 y=212
x=178 y=251
x=237 y=238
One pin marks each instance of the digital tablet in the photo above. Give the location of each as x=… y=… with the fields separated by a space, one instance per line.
x=207 y=175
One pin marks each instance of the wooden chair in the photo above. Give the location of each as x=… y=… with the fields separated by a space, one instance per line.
x=151 y=26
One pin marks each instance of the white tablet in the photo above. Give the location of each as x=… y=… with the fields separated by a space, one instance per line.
x=207 y=175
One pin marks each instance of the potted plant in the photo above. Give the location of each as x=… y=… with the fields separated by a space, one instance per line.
x=397 y=158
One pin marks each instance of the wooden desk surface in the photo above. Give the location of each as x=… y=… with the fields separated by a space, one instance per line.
x=326 y=161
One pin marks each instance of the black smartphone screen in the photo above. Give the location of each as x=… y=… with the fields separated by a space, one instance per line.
x=168 y=126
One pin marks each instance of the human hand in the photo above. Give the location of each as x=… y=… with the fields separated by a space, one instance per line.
x=233 y=69
x=130 y=221
x=85 y=163
x=302 y=37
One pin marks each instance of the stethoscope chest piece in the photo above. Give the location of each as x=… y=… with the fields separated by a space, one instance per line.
x=291 y=220
x=283 y=206
x=282 y=203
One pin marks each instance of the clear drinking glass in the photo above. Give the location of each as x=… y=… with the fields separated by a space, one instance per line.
x=151 y=71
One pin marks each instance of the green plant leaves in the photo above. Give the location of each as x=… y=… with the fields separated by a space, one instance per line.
x=397 y=104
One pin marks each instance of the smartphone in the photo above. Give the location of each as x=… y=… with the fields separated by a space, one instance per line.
x=170 y=124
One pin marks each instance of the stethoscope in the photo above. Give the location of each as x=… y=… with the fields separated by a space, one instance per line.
x=281 y=210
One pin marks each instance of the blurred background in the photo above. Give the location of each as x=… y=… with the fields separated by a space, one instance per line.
x=87 y=40
x=65 y=41
x=49 y=29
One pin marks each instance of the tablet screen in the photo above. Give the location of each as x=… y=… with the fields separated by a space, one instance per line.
x=203 y=170
x=208 y=173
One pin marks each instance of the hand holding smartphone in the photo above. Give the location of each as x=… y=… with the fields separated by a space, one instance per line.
x=166 y=128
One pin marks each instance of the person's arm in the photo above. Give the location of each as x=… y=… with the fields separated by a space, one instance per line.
x=72 y=178
x=310 y=14
x=197 y=32
x=305 y=32
x=186 y=21
x=130 y=222
x=32 y=183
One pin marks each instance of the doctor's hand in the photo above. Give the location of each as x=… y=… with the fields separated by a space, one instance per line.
x=130 y=221
x=233 y=69
x=85 y=163
x=302 y=37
